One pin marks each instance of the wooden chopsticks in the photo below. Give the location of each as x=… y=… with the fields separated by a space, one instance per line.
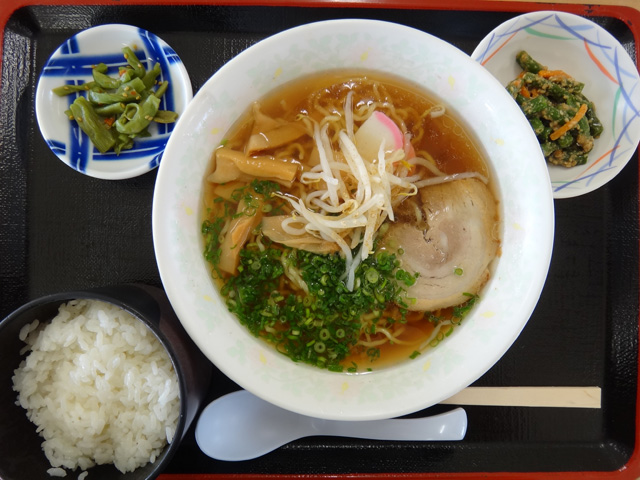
x=569 y=397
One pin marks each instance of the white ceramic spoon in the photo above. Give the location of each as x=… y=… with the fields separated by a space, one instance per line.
x=240 y=426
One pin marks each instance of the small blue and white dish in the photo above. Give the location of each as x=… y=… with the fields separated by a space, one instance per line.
x=71 y=64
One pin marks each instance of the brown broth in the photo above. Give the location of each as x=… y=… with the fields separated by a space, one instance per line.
x=444 y=138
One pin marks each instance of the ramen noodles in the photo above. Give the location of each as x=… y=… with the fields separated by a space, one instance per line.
x=349 y=220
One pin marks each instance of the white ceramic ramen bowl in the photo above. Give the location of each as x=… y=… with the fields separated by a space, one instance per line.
x=585 y=50
x=502 y=133
x=71 y=64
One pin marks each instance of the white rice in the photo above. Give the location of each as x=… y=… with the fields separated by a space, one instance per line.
x=99 y=386
x=57 y=472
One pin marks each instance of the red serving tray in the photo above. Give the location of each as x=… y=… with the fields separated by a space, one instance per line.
x=630 y=16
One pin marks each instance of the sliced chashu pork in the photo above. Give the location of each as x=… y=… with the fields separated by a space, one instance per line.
x=453 y=244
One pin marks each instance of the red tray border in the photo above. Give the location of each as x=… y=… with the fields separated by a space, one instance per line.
x=630 y=16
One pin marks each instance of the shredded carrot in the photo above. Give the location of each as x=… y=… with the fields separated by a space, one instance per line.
x=110 y=120
x=556 y=134
x=122 y=71
x=524 y=92
x=553 y=73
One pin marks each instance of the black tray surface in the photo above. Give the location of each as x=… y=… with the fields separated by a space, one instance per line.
x=60 y=230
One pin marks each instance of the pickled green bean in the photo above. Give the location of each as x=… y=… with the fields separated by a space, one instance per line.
x=92 y=124
x=117 y=109
x=101 y=67
x=103 y=80
x=133 y=62
x=165 y=116
x=127 y=74
x=123 y=142
x=162 y=88
x=125 y=93
x=64 y=90
x=149 y=78
x=110 y=110
x=137 y=117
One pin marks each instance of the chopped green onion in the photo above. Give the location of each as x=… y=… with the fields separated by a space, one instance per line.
x=372 y=275
x=325 y=334
x=320 y=327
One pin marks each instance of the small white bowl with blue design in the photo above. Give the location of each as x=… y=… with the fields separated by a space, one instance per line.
x=71 y=63
x=591 y=55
